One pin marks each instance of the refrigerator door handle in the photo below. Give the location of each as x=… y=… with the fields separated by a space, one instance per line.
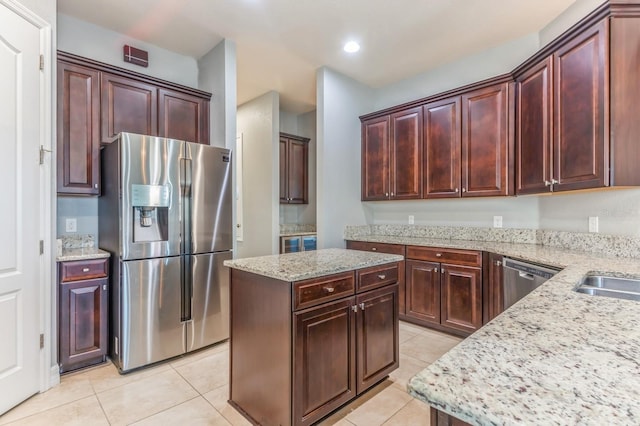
x=186 y=285
x=186 y=195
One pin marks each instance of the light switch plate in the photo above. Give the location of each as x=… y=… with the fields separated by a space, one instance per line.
x=497 y=221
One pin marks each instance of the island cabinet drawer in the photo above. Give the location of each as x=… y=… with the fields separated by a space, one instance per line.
x=323 y=289
x=83 y=270
x=376 y=276
x=379 y=247
x=455 y=256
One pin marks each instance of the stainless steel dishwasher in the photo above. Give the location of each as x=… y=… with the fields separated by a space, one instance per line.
x=521 y=278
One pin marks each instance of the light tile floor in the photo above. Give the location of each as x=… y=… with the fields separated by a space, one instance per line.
x=193 y=390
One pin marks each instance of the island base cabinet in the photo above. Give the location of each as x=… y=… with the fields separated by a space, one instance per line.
x=439 y=418
x=324 y=360
x=461 y=293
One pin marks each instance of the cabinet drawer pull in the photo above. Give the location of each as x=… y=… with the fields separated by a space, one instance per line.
x=382 y=276
x=104 y=287
x=362 y=306
x=329 y=289
x=438 y=254
x=85 y=269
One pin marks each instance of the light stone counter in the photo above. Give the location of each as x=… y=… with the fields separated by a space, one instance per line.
x=81 y=253
x=555 y=357
x=310 y=264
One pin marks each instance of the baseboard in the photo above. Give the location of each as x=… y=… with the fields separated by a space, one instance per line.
x=54 y=376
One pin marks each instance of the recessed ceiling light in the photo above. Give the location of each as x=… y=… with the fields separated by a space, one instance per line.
x=351 y=47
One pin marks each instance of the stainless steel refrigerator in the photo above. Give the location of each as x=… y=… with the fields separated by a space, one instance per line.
x=165 y=215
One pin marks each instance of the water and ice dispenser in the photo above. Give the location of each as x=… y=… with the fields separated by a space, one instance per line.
x=150 y=205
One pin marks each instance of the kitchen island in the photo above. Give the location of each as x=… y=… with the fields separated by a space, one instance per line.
x=310 y=331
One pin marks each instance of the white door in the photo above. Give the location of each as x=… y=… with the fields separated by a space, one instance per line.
x=19 y=209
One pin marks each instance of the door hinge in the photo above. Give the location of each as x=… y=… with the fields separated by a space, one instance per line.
x=42 y=341
x=42 y=151
x=41 y=246
x=41 y=62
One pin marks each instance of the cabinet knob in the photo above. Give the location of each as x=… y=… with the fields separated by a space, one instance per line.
x=554 y=182
x=85 y=269
x=547 y=183
x=498 y=263
x=392 y=194
x=442 y=271
x=354 y=308
x=382 y=276
x=95 y=185
x=435 y=270
x=374 y=249
x=329 y=289
x=457 y=190
x=104 y=287
x=464 y=189
x=438 y=254
x=386 y=194
x=362 y=306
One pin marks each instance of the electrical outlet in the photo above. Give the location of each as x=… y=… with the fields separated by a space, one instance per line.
x=497 y=221
x=593 y=224
x=411 y=219
x=71 y=225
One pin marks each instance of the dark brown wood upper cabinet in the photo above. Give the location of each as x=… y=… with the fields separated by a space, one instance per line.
x=442 y=129
x=579 y=118
x=78 y=115
x=128 y=106
x=375 y=159
x=294 y=169
x=533 y=129
x=406 y=154
x=486 y=157
x=182 y=116
x=392 y=156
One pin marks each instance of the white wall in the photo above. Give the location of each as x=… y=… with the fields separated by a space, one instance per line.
x=341 y=100
x=574 y=13
x=98 y=43
x=259 y=123
x=301 y=125
x=217 y=75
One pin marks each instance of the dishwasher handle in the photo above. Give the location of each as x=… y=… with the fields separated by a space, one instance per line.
x=526 y=275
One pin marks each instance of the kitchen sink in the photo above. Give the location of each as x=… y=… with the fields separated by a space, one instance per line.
x=602 y=285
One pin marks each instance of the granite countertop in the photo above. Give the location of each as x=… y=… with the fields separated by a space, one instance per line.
x=555 y=357
x=81 y=253
x=310 y=264
x=293 y=234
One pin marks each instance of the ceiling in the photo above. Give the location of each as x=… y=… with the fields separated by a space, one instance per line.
x=281 y=43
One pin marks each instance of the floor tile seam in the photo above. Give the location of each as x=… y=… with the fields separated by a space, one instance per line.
x=165 y=409
x=103 y=410
x=397 y=411
x=218 y=411
x=189 y=383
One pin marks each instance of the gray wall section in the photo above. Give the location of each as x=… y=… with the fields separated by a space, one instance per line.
x=91 y=41
x=301 y=125
x=341 y=100
x=258 y=123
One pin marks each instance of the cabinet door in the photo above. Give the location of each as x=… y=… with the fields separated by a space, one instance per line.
x=78 y=130
x=406 y=154
x=324 y=361
x=183 y=117
x=580 y=70
x=441 y=169
x=375 y=159
x=422 y=280
x=83 y=323
x=127 y=106
x=485 y=142
x=492 y=287
x=284 y=178
x=297 y=171
x=461 y=302
x=377 y=335
x=533 y=130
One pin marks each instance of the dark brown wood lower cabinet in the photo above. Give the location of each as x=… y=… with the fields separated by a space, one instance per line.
x=492 y=288
x=296 y=366
x=461 y=297
x=423 y=291
x=324 y=359
x=82 y=315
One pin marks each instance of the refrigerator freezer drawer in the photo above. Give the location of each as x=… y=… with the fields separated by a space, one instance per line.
x=210 y=300
x=151 y=329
